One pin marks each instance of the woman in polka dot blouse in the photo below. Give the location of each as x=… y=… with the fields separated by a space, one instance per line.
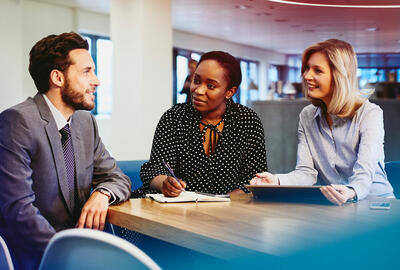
x=212 y=144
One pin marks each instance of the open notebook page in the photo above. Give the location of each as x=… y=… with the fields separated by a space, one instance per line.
x=187 y=196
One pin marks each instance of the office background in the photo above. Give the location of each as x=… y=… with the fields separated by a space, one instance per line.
x=143 y=34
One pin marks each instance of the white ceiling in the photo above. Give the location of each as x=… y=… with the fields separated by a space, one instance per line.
x=281 y=27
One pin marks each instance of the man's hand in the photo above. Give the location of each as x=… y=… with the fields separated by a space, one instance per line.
x=338 y=194
x=94 y=212
x=265 y=178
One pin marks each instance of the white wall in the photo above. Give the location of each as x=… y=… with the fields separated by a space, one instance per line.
x=92 y=23
x=40 y=20
x=11 y=72
x=142 y=77
x=24 y=22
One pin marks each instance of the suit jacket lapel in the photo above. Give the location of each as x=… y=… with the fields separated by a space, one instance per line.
x=56 y=147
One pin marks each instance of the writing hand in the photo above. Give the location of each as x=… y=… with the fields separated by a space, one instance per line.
x=172 y=187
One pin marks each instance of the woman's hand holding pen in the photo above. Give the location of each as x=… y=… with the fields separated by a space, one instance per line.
x=172 y=187
x=338 y=194
x=265 y=178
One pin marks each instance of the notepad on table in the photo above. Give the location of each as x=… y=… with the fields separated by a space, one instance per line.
x=189 y=196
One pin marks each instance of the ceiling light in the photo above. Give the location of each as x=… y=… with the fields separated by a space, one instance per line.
x=243 y=6
x=372 y=29
x=333 y=5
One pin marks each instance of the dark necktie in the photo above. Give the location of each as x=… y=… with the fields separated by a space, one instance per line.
x=69 y=158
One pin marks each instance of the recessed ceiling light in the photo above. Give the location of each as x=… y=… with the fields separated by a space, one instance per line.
x=243 y=6
x=372 y=29
x=333 y=5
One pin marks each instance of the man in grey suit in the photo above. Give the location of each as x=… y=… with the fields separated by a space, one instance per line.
x=55 y=172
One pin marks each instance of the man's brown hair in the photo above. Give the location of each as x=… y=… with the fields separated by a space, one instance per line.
x=51 y=53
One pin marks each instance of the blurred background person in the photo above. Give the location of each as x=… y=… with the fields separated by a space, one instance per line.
x=192 y=64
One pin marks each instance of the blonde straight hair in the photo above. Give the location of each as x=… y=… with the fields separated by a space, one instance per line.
x=346 y=98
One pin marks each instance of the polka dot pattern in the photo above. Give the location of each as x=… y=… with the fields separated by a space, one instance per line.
x=239 y=154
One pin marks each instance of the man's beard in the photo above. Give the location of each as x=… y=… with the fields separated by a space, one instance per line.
x=74 y=98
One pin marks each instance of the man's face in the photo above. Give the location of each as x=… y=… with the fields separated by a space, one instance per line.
x=80 y=81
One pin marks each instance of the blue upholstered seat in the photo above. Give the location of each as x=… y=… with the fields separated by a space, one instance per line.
x=132 y=169
x=392 y=169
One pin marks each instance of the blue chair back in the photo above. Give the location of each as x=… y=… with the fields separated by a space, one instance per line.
x=132 y=169
x=93 y=250
x=392 y=169
x=5 y=258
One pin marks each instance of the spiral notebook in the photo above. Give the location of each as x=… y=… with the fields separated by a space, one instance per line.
x=189 y=196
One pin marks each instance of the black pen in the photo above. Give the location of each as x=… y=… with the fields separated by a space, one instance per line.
x=171 y=171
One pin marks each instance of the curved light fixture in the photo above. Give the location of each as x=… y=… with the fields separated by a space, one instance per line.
x=333 y=5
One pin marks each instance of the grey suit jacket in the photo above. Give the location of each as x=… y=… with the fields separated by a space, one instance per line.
x=34 y=198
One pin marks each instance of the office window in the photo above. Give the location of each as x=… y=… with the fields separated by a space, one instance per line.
x=181 y=71
x=374 y=68
x=294 y=63
x=100 y=48
x=247 y=91
x=273 y=73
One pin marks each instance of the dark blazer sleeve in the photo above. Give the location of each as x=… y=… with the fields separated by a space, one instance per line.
x=106 y=173
x=16 y=194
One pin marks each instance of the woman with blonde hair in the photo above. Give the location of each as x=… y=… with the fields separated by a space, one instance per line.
x=340 y=134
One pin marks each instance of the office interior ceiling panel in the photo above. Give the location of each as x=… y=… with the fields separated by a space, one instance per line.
x=282 y=27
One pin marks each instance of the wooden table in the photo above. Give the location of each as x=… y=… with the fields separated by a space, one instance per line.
x=244 y=228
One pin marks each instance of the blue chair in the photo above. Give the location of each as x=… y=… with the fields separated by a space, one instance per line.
x=392 y=169
x=93 y=250
x=5 y=258
x=132 y=169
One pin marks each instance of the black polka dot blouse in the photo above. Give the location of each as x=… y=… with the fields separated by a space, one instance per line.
x=238 y=156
